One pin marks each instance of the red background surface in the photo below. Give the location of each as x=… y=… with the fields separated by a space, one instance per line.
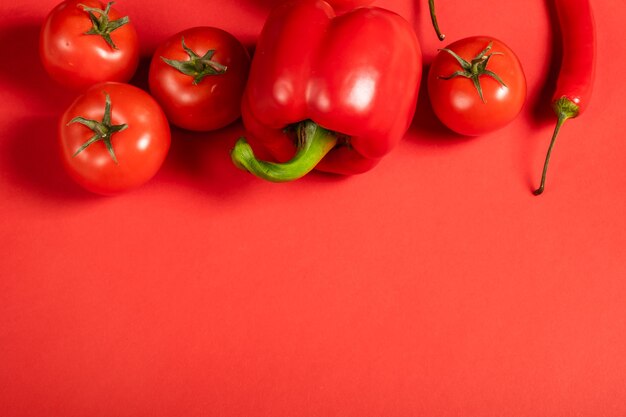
x=434 y=285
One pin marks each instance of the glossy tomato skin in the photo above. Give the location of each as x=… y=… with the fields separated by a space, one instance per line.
x=216 y=100
x=77 y=60
x=140 y=149
x=456 y=101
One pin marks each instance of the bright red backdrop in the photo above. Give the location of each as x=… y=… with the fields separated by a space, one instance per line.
x=435 y=285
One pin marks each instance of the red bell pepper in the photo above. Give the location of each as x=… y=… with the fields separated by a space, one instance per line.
x=335 y=93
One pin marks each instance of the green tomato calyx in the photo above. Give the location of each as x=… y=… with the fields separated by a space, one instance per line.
x=102 y=26
x=197 y=66
x=475 y=68
x=103 y=130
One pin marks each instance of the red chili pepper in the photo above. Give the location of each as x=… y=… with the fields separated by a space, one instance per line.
x=574 y=85
x=335 y=93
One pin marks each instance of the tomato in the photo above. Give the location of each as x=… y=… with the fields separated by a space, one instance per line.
x=84 y=42
x=198 y=76
x=476 y=85
x=113 y=138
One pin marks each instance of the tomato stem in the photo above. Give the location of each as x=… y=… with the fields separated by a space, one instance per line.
x=474 y=69
x=564 y=109
x=433 y=18
x=197 y=66
x=313 y=142
x=103 y=131
x=102 y=26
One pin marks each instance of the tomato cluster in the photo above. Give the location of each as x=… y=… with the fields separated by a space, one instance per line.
x=115 y=136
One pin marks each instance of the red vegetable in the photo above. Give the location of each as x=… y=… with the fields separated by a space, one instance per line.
x=113 y=138
x=575 y=81
x=198 y=76
x=86 y=42
x=476 y=85
x=325 y=92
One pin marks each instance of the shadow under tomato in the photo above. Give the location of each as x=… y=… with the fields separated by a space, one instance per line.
x=202 y=161
x=140 y=78
x=32 y=162
x=24 y=70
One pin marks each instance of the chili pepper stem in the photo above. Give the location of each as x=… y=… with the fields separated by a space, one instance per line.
x=559 y=123
x=564 y=109
x=313 y=143
x=433 y=18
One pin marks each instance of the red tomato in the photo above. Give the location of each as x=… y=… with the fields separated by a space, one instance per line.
x=77 y=57
x=113 y=138
x=455 y=94
x=198 y=76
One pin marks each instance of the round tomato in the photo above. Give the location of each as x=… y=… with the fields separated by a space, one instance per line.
x=84 y=42
x=476 y=85
x=198 y=76
x=113 y=138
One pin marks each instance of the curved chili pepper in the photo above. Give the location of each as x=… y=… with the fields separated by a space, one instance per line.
x=575 y=81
